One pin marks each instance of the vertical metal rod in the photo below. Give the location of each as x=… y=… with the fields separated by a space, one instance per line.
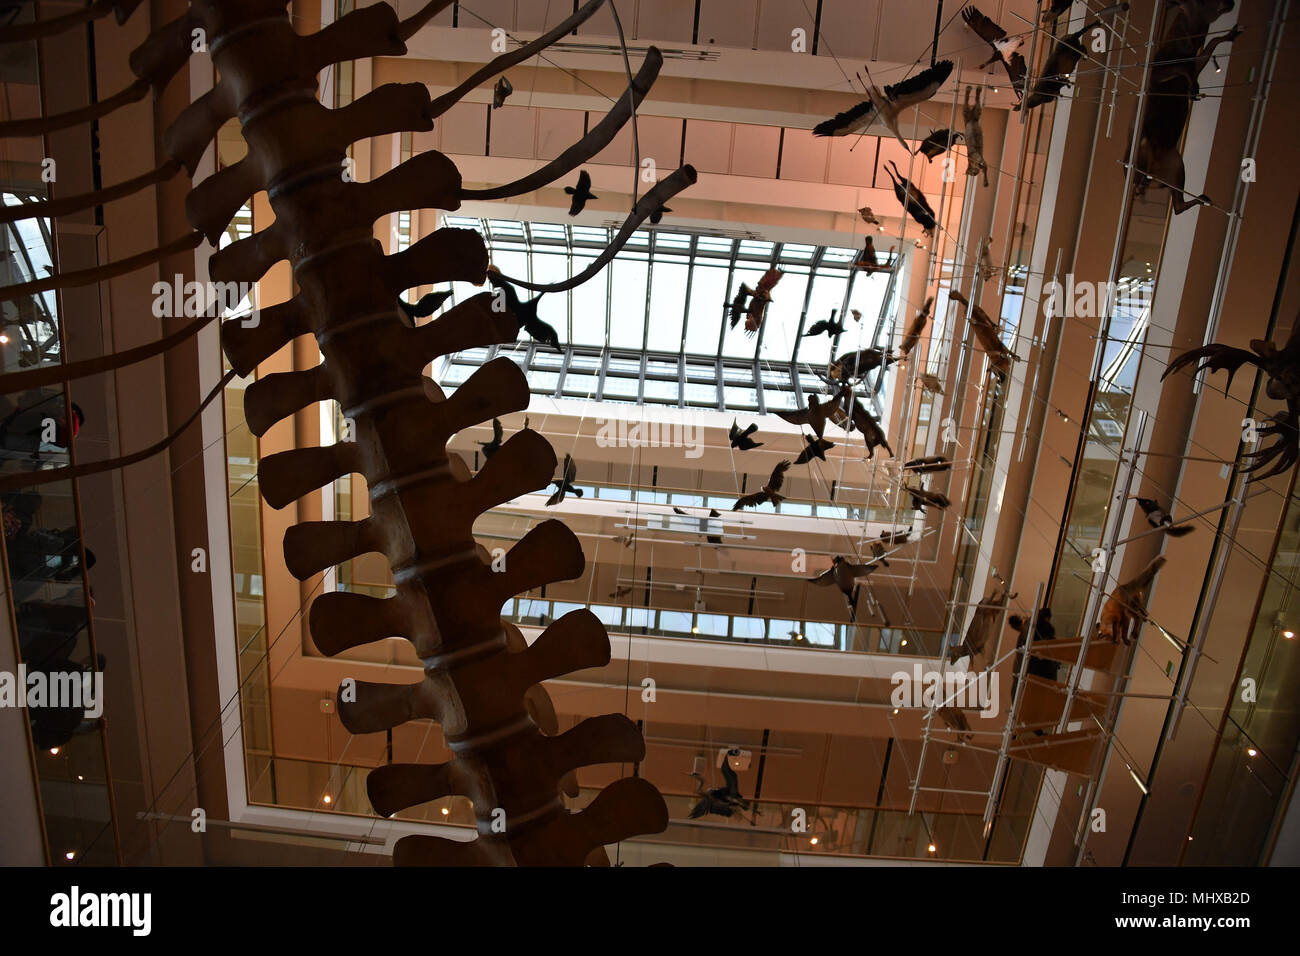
x=1015 y=705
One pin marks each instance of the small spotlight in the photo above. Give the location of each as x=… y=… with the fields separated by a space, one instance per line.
x=1289 y=634
x=695 y=630
x=70 y=855
x=54 y=751
x=903 y=643
x=895 y=711
x=932 y=848
x=4 y=339
x=1251 y=751
x=445 y=811
x=80 y=778
x=1189 y=839
x=813 y=841
x=327 y=799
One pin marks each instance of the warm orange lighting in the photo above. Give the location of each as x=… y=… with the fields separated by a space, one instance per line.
x=4 y=339
x=327 y=799
x=1289 y=634
x=71 y=854
x=932 y=848
x=54 y=751
x=813 y=841
x=1252 y=751
x=445 y=811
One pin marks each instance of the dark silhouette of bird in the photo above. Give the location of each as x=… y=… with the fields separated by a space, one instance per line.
x=768 y=492
x=829 y=326
x=924 y=466
x=712 y=538
x=722 y=801
x=868 y=216
x=814 y=414
x=740 y=439
x=878 y=554
x=913 y=333
x=626 y=540
x=912 y=199
x=1157 y=517
x=502 y=90
x=930 y=383
x=564 y=484
x=427 y=304
x=490 y=448
x=844 y=574
x=657 y=216
x=752 y=303
x=621 y=591
x=525 y=312
x=886 y=105
x=1004 y=46
x=816 y=448
x=921 y=498
x=938 y=142
x=982 y=631
x=1066 y=53
x=857 y=316
x=855 y=365
x=869 y=261
x=852 y=414
x=580 y=193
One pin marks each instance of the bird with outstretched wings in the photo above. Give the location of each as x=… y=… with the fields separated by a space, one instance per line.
x=769 y=492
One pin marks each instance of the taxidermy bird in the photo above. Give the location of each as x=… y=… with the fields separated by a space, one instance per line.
x=722 y=801
x=580 y=193
x=740 y=439
x=921 y=498
x=1066 y=53
x=912 y=200
x=1157 y=517
x=925 y=466
x=524 y=312
x=856 y=365
x=938 y=142
x=852 y=414
x=753 y=302
x=814 y=414
x=564 y=484
x=829 y=326
x=712 y=538
x=878 y=554
x=626 y=540
x=500 y=92
x=843 y=574
x=657 y=216
x=868 y=216
x=985 y=331
x=768 y=491
x=1004 y=47
x=490 y=448
x=1282 y=366
x=886 y=105
x=983 y=628
x=620 y=592
x=857 y=316
x=816 y=448
x=427 y=304
x=893 y=538
x=1126 y=609
x=913 y=333
x=970 y=111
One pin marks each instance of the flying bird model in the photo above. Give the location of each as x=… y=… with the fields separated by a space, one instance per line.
x=500 y=92
x=868 y=216
x=855 y=365
x=428 y=304
x=1004 y=47
x=985 y=331
x=722 y=801
x=829 y=326
x=490 y=448
x=852 y=414
x=921 y=498
x=580 y=193
x=657 y=216
x=886 y=105
x=814 y=414
x=816 y=448
x=843 y=574
x=768 y=491
x=740 y=439
x=1066 y=53
x=1157 y=517
x=983 y=629
x=753 y=302
x=524 y=312
x=564 y=484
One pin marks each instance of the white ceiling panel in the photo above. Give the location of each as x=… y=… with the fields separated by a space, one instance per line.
x=853 y=160
x=708 y=146
x=848 y=30
x=754 y=150
x=557 y=130
x=464 y=129
x=514 y=132
x=803 y=157
x=661 y=140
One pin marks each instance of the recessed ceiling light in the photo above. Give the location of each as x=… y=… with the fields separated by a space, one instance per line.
x=813 y=841
x=1288 y=634
x=54 y=751
x=895 y=711
x=445 y=811
x=71 y=854
x=1252 y=751
x=327 y=799
x=904 y=643
x=4 y=339
x=932 y=848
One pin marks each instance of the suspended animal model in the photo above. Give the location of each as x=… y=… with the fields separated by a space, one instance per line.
x=886 y=105
x=722 y=801
x=481 y=681
x=913 y=334
x=580 y=194
x=850 y=414
x=1005 y=48
x=1126 y=608
x=753 y=302
x=1158 y=517
x=971 y=110
x=856 y=365
x=938 y=142
x=1065 y=55
x=814 y=414
x=829 y=326
x=741 y=438
x=982 y=632
x=1172 y=86
x=768 y=492
x=427 y=305
x=917 y=206
x=1282 y=366
x=985 y=331
x=844 y=574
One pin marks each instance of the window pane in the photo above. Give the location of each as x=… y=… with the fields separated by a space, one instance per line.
x=627 y=302
x=589 y=305
x=667 y=306
x=707 y=306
